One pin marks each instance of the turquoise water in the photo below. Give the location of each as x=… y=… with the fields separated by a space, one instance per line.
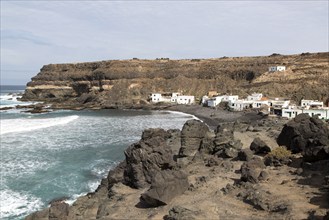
x=65 y=153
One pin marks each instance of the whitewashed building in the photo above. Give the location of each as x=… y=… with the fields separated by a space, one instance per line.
x=255 y=97
x=174 y=97
x=204 y=100
x=322 y=113
x=260 y=103
x=214 y=101
x=311 y=103
x=240 y=105
x=159 y=97
x=276 y=68
x=185 y=99
x=279 y=103
x=230 y=98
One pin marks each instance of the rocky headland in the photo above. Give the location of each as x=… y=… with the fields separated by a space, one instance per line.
x=128 y=83
x=239 y=170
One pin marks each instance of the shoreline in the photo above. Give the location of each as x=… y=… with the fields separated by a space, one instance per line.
x=212 y=117
x=207 y=176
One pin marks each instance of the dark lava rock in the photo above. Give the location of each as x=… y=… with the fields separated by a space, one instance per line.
x=181 y=213
x=225 y=144
x=272 y=160
x=6 y=108
x=307 y=135
x=264 y=201
x=207 y=146
x=263 y=176
x=191 y=137
x=58 y=210
x=116 y=175
x=251 y=170
x=245 y=155
x=259 y=146
x=165 y=185
x=147 y=157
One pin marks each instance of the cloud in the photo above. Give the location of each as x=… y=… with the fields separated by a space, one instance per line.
x=34 y=33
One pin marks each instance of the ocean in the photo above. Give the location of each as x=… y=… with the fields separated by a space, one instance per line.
x=64 y=153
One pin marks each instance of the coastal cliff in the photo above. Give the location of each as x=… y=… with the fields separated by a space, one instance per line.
x=130 y=82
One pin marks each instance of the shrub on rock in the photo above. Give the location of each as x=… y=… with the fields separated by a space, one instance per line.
x=278 y=157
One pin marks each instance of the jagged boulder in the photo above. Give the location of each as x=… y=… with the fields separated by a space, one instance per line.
x=116 y=175
x=165 y=185
x=193 y=132
x=181 y=213
x=251 y=170
x=58 y=210
x=258 y=146
x=225 y=144
x=265 y=201
x=245 y=155
x=147 y=157
x=308 y=135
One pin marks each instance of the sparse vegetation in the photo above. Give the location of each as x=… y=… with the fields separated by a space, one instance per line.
x=278 y=157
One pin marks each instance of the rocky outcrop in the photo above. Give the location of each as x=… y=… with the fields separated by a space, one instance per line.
x=258 y=146
x=151 y=183
x=225 y=143
x=264 y=201
x=181 y=213
x=251 y=171
x=58 y=210
x=166 y=185
x=130 y=82
x=147 y=157
x=308 y=135
x=193 y=132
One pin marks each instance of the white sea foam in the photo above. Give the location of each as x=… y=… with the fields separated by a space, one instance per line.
x=185 y=114
x=12 y=97
x=29 y=124
x=14 y=204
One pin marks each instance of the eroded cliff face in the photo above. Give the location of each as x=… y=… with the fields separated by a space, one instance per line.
x=126 y=82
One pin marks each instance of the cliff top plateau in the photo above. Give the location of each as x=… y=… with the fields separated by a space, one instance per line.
x=130 y=82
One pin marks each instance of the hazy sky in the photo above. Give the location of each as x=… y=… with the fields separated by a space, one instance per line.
x=35 y=33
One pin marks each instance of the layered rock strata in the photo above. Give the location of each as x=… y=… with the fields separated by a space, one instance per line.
x=130 y=82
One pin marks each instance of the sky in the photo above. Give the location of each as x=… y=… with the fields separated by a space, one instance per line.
x=36 y=33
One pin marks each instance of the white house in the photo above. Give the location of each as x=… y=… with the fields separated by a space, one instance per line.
x=322 y=113
x=214 y=101
x=230 y=98
x=279 y=103
x=158 y=97
x=311 y=103
x=204 y=100
x=255 y=97
x=276 y=68
x=174 y=96
x=240 y=104
x=260 y=103
x=185 y=99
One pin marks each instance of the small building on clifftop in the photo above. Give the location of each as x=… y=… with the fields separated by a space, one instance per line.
x=276 y=68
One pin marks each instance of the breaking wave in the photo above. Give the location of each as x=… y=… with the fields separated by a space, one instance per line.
x=29 y=124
